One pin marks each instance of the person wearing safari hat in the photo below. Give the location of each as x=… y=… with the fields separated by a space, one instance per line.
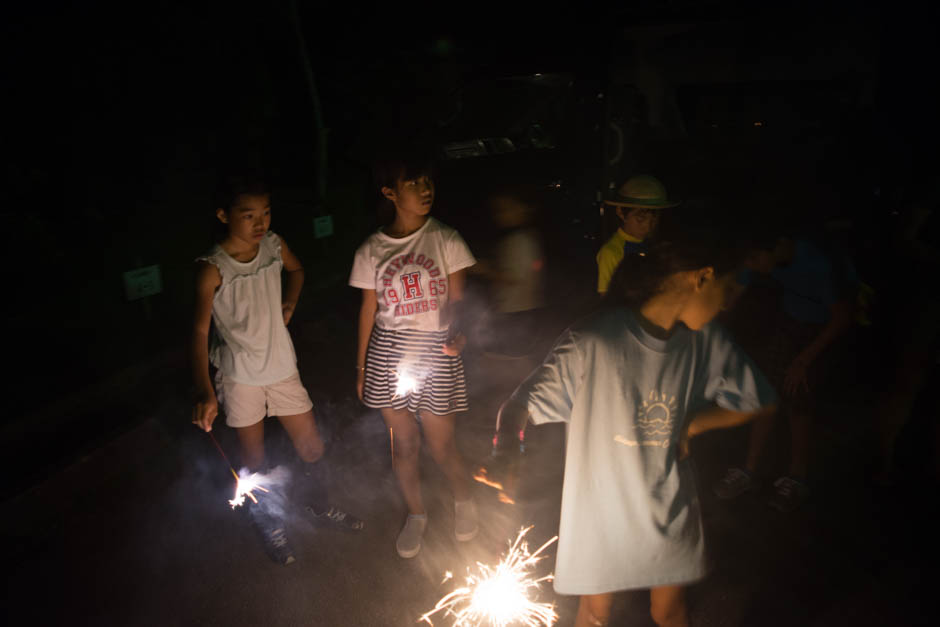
x=637 y=204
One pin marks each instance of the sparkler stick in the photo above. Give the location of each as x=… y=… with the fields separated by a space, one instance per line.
x=222 y=453
x=498 y=596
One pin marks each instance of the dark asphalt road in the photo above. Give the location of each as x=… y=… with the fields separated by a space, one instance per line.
x=140 y=533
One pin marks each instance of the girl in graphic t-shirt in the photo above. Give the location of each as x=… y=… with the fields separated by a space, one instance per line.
x=633 y=383
x=408 y=362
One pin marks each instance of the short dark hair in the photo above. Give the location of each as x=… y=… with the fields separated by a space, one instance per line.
x=640 y=277
x=234 y=183
x=393 y=164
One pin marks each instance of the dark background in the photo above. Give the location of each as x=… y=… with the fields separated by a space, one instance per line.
x=119 y=116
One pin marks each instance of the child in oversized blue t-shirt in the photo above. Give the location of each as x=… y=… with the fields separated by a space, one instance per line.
x=633 y=383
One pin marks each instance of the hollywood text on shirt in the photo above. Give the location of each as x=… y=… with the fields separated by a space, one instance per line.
x=408 y=295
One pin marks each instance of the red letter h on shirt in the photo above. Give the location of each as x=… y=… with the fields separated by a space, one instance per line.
x=411 y=285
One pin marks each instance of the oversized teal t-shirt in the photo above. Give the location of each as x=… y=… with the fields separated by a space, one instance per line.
x=629 y=514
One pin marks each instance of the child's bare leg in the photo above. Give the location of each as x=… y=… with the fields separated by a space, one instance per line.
x=439 y=431
x=667 y=606
x=800 y=429
x=302 y=429
x=251 y=441
x=406 y=445
x=594 y=610
x=895 y=410
x=760 y=431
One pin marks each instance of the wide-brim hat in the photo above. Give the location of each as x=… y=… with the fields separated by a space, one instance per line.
x=641 y=192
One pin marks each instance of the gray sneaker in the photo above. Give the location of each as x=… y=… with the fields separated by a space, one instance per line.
x=273 y=536
x=465 y=515
x=735 y=483
x=789 y=494
x=409 y=540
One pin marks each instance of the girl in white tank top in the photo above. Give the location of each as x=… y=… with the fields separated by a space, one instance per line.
x=239 y=290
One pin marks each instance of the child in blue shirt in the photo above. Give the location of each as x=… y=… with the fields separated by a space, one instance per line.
x=633 y=383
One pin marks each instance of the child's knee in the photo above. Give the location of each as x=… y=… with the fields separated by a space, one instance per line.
x=311 y=450
x=407 y=447
x=443 y=451
x=668 y=612
x=594 y=610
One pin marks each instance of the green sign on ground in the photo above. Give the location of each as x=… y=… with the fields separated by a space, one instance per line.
x=142 y=282
x=323 y=226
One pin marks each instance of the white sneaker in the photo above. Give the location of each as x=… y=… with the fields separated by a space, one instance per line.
x=409 y=540
x=465 y=515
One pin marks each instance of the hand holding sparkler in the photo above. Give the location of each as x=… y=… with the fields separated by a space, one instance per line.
x=205 y=411
x=501 y=471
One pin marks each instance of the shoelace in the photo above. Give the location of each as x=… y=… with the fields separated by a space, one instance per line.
x=734 y=475
x=785 y=486
x=278 y=538
x=335 y=515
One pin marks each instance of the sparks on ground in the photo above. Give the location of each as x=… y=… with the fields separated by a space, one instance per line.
x=499 y=596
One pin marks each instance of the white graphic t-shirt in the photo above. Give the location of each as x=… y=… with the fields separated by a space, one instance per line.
x=629 y=513
x=409 y=274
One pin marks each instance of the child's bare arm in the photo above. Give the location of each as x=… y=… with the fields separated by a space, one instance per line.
x=206 y=407
x=718 y=418
x=366 y=322
x=457 y=340
x=511 y=422
x=295 y=281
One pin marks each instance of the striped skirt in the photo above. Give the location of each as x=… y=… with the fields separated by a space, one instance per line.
x=407 y=369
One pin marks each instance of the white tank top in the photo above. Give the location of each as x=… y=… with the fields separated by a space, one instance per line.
x=250 y=344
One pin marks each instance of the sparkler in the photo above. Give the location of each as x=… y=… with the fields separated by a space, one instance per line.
x=498 y=596
x=481 y=476
x=405 y=385
x=243 y=485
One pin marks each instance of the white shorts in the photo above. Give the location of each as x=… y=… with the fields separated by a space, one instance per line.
x=245 y=405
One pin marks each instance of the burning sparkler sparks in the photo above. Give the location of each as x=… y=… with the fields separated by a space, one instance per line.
x=243 y=485
x=246 y=484
x=498 y=596
x=482 y=476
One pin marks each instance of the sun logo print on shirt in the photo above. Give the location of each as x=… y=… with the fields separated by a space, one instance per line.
x=654 y=421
